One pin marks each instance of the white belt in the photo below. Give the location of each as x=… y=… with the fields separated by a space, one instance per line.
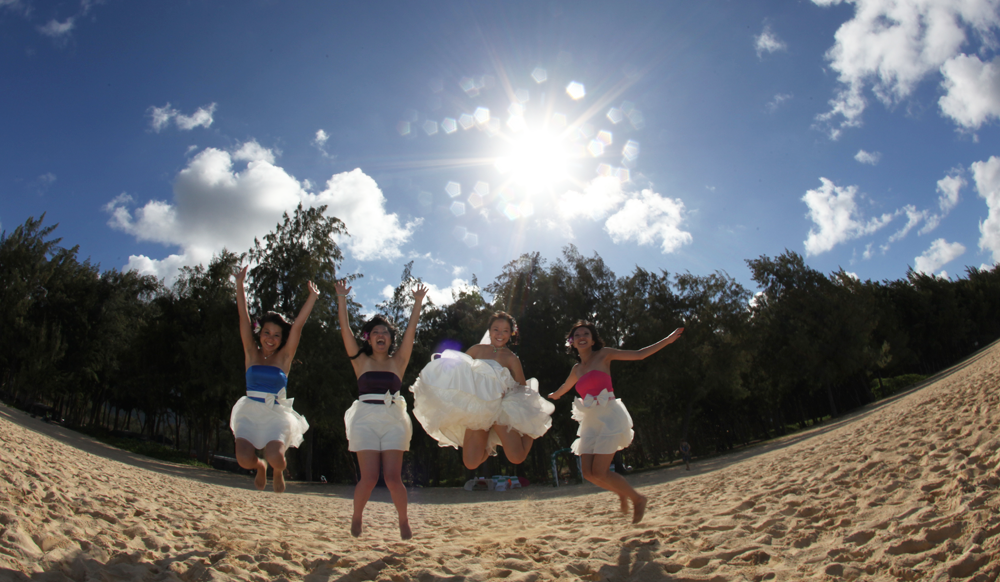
x=387 y=398
x=270 y=398
x=601 y=399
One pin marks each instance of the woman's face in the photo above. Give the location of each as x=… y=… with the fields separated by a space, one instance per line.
x=270 y=338
x=380 y=339
x=500 y=333
x=582 y=338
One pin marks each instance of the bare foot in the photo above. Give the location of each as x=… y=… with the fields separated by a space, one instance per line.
x=639 y=510
x=624 y=502
x=260 y=481
x=404 y=530
x=356 y=527
x=279 y=482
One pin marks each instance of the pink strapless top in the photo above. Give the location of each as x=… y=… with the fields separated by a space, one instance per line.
x=593 y=383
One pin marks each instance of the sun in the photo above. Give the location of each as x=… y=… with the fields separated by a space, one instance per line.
x=536 y=160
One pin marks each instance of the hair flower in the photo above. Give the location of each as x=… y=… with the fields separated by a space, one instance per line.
x=364 y=337
x=256 y=326
x=569 y=342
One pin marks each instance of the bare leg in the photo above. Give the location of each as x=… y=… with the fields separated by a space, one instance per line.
x=274 y=452
x=474 y=448
x=392 y=469
x=369 y=462
x=246 y=456
x=595 y=470
x=515 y=446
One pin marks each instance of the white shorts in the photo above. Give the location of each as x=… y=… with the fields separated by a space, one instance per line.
x=378 y=427
x=262 y=423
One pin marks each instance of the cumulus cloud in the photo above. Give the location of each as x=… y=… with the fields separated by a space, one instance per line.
x=217 y=205
x=648 y=218
x=987 y=178
x=768 y=42
x=834 y=211
x=972 y=90
x=940 y=253
x=890 y=46
x=599 y=198
x=57 y=30
x=160 y=117
x=439 y=295
x=321 y=138
x=870 y=158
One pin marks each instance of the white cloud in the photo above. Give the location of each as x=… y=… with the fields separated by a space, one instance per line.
x=440 y=296
x=938 y=255
x=913 y=218
x=599 y=198
x=890 y=46
x=252 y=151
x=321 y=138
x=768 y=42
x=972 y=90
x=647 y=218
x=987 y=177
x=870 y=158
x=56 y=29
x=776 y=102
x=160 y=117
x=217 y=206
x=835 y=212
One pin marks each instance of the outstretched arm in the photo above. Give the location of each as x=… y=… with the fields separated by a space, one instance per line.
x=350 y=344
x=300 y=321
x=646 y=351
x=402 y=355
x=567 y=385
x=246 y=330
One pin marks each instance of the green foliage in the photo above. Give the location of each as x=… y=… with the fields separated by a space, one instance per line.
x=119 y=351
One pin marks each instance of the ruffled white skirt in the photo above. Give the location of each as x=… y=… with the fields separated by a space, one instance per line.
x=378 y=427
x=605 y=425
x=261 y=423
x=457 y=392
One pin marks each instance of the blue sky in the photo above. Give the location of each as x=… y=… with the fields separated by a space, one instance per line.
x=686 y=136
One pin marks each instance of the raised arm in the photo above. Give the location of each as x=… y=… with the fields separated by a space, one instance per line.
x=350 y=344
x=300 y=320
x=646 y=351
x=402 y=355
x=567 y=385
x=246 y=330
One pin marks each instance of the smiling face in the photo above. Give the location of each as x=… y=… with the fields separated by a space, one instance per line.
x=380 y=338
x=270 y=338
x=582 y=338
x=500 y=333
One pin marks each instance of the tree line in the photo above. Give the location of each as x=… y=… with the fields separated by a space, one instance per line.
x=120 y=351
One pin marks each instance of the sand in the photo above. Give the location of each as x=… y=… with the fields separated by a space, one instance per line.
x=903 y=490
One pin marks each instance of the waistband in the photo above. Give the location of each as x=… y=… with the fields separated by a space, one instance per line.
x=270 y=398
x=384 y=399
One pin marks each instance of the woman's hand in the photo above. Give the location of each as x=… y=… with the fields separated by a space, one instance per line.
x=313 y=289
x=419 y=292
x=342 y=288
x=242 y=275
x=554 y=395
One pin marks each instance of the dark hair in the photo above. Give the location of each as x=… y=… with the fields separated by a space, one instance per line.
x=514 y=334
x=279 y=320
x=366 y=347
x=598 y=343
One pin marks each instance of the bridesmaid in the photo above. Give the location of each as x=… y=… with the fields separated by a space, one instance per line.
x=378 y=426
x=264 y=418
x=605 y=424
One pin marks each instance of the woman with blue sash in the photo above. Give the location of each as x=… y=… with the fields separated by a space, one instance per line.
x=264 y=418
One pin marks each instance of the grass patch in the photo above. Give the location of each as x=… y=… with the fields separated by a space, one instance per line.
x=144 y=448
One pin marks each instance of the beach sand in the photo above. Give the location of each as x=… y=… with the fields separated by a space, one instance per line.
x=903 y=490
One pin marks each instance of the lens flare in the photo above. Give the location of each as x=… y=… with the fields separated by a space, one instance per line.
x=536 y=160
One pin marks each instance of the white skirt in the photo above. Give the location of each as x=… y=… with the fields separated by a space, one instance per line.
x=378 y=427
x=457 y=392
x=261 y=423
x=604 y=428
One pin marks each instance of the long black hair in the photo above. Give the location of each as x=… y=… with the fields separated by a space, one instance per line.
x=366 y=346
